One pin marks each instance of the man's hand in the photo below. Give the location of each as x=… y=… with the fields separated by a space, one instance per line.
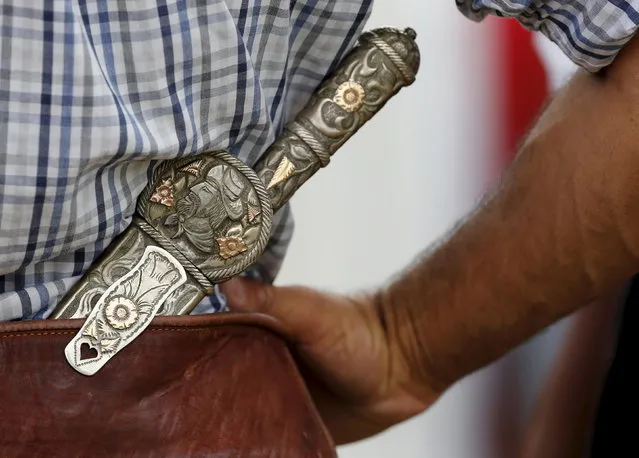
x=561 y=231
x=360 y=383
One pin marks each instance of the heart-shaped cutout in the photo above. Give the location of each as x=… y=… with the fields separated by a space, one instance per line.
x=87 y=352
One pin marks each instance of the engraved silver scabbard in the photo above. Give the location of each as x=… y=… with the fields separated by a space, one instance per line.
x=207 y=218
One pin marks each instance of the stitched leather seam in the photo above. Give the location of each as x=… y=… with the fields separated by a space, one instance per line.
x=61 y=333
x=50 y=333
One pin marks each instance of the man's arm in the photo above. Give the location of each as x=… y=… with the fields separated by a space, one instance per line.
x=562 y=230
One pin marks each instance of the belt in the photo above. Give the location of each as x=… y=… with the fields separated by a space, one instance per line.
x=204 y=219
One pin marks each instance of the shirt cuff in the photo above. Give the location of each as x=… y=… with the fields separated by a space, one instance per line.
x=590 y=32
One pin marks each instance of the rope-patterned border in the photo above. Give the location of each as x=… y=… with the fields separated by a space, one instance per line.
x=390 y=52
x=247 y=259
x=315 y=145
x=166 y=244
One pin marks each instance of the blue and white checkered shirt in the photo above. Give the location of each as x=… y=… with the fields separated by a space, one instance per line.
x=590 y=32
x=94 y=93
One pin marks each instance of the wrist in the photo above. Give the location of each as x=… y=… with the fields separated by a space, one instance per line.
x=412 y=379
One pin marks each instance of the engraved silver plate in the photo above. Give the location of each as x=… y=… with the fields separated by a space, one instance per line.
x=212 y=209
x=125 y=310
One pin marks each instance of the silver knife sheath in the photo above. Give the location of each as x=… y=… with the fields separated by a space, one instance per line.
x=207 y=218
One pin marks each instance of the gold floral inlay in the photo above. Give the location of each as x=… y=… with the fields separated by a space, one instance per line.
x=163 y=194
x=350 y=96
x=231 y=246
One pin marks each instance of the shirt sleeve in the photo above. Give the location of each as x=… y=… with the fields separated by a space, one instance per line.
x=590 y=32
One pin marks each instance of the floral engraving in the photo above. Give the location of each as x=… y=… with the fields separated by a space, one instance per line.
x=121 y=312
x=126 y=309
x=384 y=61
x=218 y=220
x=119 y=260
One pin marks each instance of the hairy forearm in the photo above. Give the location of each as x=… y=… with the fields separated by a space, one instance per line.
x=561 y=231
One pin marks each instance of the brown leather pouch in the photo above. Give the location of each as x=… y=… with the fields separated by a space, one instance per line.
x=221 y=385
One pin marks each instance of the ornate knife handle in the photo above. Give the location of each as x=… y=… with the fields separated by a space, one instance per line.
x=384 y=61
x=204 y=219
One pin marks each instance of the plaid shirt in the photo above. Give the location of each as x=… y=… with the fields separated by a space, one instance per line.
x=590 y=32
x=94 y=93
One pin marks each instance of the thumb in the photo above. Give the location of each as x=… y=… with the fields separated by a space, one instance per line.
x=297 y=310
